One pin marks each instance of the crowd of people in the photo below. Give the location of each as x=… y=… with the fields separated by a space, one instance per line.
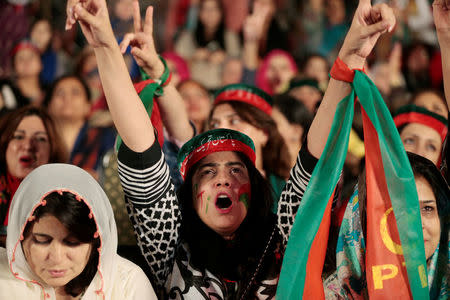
x=225 y=122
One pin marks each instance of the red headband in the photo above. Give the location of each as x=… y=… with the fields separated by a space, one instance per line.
x=24 y=45
x=215 y=146
x=416 y=117
x=246 y=97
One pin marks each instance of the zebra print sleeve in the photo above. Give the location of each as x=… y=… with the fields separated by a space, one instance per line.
x=152 y=206
x=293 y=192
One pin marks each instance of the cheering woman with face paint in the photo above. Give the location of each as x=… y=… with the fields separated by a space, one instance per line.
x=216 y=239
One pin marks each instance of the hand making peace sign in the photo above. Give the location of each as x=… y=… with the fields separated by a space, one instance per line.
x=142 y=43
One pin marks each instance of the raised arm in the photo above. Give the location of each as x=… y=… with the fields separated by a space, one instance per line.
x=143 y=49
x=253 y=30
x=369 y=22
x=441 y=13
x=127 y=110
x=149 y=193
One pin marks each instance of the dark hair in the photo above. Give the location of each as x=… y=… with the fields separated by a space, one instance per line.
x=304 y=62
x=42 y=19
x=11 y=121
x=422 y=168
x=436 y=92
x=236 y=258
x=186 y=81
x=294 y=111
x=219 y=35
x=51 y=91
x=416 y=81
x=276 y=159
x=81 y=59
x=74 y=215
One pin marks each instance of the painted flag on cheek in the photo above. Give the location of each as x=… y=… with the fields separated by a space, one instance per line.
x=395 y=255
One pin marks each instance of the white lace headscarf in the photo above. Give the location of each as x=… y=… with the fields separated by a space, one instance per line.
x=31 y=193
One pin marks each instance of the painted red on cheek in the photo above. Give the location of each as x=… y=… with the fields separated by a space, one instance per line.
x=245 y=193
x=200 y=195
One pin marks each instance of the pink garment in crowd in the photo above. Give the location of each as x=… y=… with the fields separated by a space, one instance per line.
x=180 y=63
x=261 y=79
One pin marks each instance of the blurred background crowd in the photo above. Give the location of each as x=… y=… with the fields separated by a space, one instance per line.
x=52 y=107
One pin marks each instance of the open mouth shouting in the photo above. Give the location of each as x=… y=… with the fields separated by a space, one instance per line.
x=224 y=204
x=26 y=160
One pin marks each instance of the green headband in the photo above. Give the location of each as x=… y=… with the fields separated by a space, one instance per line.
x=296 y=83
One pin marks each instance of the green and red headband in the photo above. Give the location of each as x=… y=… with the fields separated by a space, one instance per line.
x=24 y=44
x=212 y=141
x=247 y=94
x=416 y=114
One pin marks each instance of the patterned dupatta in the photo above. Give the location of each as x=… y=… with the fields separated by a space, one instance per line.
x=395 y=263
x=349 y=279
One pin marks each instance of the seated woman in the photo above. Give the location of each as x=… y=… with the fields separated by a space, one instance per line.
x=218 y=237
x=434 y=198
x=68 y=103
x=28 y=139
x=62 y=242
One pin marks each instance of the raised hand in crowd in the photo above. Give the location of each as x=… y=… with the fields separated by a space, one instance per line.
x=441 y=14
x=369 y=22
x=316 y=5
x=144 y=52
x=119 y=91
x=395 y=66
x=253 y=30
x=70 y=20
x=142 y=43
x=253 y=24
x=121 y=96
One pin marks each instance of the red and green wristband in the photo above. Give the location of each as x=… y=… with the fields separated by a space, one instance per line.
x=163 y=81
x=340 y=71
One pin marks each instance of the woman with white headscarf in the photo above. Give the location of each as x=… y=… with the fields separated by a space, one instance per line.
x=62 y=242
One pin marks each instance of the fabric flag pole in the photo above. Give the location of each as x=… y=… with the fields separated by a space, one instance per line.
x=300 y=274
